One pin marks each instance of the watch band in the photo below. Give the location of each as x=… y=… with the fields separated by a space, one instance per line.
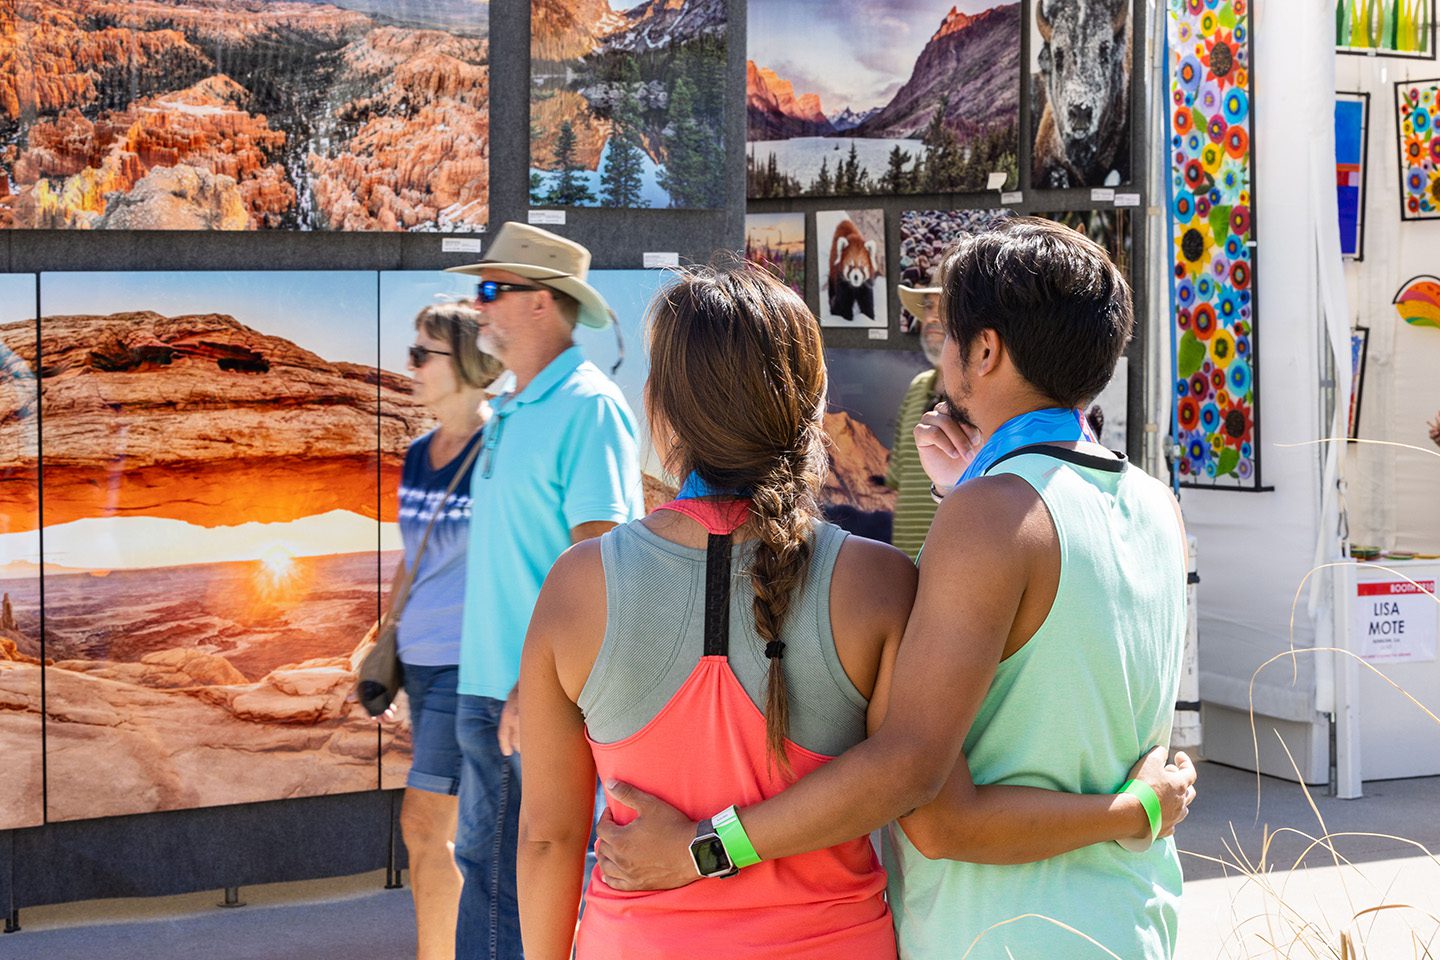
x=734 y=839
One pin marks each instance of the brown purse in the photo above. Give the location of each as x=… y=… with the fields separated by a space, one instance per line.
x=381 y=674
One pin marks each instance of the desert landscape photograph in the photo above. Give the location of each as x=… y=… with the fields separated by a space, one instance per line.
x=916 y=96
x=245 y=115
x=213 y=454
x=627 y=103
x=21 y=729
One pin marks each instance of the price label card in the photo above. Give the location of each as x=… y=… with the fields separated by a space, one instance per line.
x=460 y=245
x=656 y=260
x=880 y=333
x=1127 y=199
x=1102 y=195
x=547 y=218
x=1012 y=196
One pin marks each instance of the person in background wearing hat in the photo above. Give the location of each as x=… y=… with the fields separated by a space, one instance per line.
x=914 y=507
x=558 y=465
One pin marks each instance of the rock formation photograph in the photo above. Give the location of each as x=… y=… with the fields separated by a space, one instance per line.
x=21 y=743
x=848 y=99
x=213 y=448
x=245 y=115
x=866 y=387
x=1080 y=93
x=627 y=104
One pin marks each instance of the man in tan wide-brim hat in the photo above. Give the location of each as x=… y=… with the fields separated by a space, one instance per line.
x=914 y=508
x=558 y=464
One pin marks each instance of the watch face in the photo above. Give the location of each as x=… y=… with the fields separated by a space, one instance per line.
x=710 y=857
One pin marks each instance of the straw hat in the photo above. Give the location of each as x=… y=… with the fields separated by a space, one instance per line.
x=549 y=260
x=913 y=298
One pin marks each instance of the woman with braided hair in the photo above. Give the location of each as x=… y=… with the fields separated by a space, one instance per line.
x=722 y=646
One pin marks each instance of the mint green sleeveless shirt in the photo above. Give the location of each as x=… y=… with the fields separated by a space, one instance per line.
x=1071 y=710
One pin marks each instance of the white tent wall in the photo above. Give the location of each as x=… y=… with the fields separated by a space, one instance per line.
x=1255 y=549
x=1393 y=494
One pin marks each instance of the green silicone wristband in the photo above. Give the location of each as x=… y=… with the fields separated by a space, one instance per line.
x=734 y=839
x=1148 y=799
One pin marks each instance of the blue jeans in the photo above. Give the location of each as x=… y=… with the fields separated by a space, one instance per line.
x=487 y=836
x=435 y=757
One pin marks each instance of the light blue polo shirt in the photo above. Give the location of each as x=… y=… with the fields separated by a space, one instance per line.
x=560 y=453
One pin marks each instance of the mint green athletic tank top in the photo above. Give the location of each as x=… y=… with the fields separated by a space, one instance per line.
x=1072 y=710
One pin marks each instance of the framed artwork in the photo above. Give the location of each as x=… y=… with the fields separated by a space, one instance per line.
x=853 y=291
x=776 y=241
x=925 y=235
x=211 y=524
x=850 y=99
x=1389 y=28
x=1352 y=130
x=22 y=655
x=204 y=115
x=1416 y=103
x=1359 y=352
x=1212 y=226
x=627 y=104
x=1080 y=57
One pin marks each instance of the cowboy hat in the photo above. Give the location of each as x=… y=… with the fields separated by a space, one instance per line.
x=550 y=261
x=913 y=298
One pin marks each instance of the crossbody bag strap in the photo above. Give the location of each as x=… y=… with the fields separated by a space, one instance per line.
x=717 y=595
x=402 y=592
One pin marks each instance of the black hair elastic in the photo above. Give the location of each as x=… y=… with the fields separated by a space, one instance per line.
x=775 y=649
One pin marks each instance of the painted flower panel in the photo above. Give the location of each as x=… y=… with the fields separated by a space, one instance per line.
x=1213 y=233
x=1416 y=105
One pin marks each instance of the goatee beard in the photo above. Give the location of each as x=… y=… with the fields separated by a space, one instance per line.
x=958 y=413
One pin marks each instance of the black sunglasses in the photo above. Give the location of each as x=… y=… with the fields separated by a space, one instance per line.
x=419 y=355
x=488 y=291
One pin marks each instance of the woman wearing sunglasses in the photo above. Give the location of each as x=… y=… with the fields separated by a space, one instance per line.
x=450 y=376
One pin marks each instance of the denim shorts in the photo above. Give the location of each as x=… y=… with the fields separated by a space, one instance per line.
x=435 y=766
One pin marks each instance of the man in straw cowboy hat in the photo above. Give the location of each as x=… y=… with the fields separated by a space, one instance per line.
x=914 y=507
x=558 y=465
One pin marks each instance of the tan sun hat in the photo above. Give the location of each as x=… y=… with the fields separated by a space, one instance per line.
x=551 y=261
x=913 y=298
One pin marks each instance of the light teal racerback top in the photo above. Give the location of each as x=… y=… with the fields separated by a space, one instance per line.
x=1072 y=710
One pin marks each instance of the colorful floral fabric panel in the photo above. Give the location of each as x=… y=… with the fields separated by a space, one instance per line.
x=1213 y=232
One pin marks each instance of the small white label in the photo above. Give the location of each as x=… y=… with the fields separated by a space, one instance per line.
x=655 y=260
x=550 y=218
x=460 y=245
x=1012 y=196
x=996 y=180
x=880 y=333
x=1102 y=195
x=1127 y=199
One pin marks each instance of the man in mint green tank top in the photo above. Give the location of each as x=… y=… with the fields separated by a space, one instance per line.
x=1040 y=664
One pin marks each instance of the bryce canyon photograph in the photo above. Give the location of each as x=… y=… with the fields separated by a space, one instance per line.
x=914 y=96
x=245 y=115
x=627 y=103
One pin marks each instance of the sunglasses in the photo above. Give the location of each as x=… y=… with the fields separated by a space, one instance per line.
x=488 y=291
x=420 y=355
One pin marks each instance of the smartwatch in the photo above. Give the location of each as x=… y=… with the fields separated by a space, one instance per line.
x=708 y=853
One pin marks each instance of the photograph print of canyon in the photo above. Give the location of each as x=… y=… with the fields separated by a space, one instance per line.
x=212 y=459
x=365 y=115
x=1080 y=56
x=910 y=96
x=21 y=729
x=627 y=103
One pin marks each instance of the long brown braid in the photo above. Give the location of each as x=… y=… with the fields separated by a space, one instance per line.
x=737 y=377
